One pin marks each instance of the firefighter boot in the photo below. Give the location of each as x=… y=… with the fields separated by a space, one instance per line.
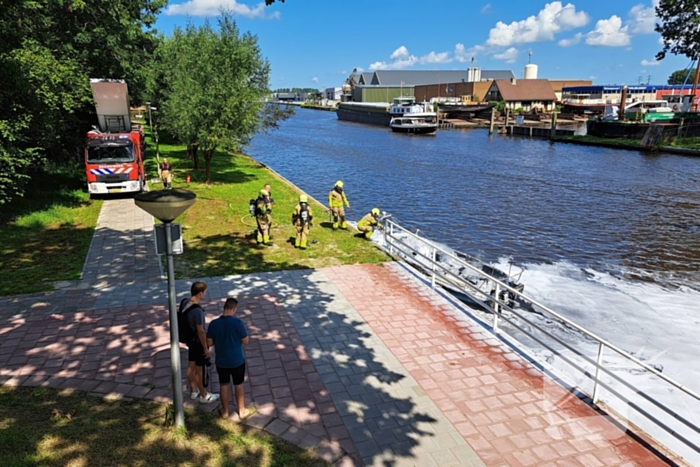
x=303 y=244
x=335 y=226
x=260 y=238
x=266 y=239
x=296 y=243
x=368 y=234
x=344 y=225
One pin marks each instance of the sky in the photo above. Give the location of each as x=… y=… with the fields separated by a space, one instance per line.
x=317 y=44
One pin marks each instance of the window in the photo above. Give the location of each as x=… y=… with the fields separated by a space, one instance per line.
x=109 y=154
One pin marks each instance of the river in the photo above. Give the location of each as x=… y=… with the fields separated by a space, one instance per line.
x=625 y=213
x=608 y=238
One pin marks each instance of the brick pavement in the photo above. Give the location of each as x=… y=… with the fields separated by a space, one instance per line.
x=362 y=363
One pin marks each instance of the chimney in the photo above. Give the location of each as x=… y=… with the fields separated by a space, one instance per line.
x=513 y=81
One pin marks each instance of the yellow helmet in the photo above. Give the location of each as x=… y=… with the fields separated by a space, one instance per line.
x=303 y=199
x=375 y=212
x=264 y=192
x=339 y=184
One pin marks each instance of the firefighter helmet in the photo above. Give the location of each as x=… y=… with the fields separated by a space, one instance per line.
x=264 y=192
x=339 y=184
x=375 y=212
x=303 y=199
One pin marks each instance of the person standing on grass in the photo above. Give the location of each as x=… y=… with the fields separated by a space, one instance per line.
x=228 y=335
x=197 y=348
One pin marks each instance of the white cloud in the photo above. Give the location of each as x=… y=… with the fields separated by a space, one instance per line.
x=485 y=9
x=646 y=62
x=571 y=41
x=314 y=79
x=432 y=57
x=464 y=55
x=401 y=58
x=213 y=7
x=642 y=19
x=592 y=77
x=508 y=56
x=609 y=32
x=552 y=19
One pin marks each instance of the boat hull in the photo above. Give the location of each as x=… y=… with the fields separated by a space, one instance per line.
x=371 y=115
x=417 y=130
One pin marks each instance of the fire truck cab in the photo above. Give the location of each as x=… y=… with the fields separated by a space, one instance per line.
x=113 y=153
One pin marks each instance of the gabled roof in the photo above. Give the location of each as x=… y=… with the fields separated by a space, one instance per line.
x=525 y=90
x=366 y=78
x=419 y=77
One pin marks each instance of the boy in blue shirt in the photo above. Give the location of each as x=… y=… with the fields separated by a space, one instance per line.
x=228 y=335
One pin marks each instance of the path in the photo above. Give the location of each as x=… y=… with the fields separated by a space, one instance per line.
x=363 y=363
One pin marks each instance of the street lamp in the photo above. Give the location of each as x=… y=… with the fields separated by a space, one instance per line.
x=154 y=131
x=166 y=205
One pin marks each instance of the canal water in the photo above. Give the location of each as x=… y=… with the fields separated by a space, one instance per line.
x=624 y=213
x=608 y=238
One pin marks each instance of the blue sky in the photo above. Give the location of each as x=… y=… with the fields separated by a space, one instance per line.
x=315 y=43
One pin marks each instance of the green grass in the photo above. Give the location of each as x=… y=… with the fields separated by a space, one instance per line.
x=45 y=235
x=686 y=143
x=623 y=142
x=40 y=427
x=219 y=233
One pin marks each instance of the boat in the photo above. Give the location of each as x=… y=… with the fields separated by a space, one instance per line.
x=381 y=113
x=415 y=125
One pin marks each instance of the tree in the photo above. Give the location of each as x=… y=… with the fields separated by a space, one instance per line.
x=217 y=82
x=679 y=77
x=48 y=52
x=679 y=26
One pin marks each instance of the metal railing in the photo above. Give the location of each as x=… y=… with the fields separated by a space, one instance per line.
x=411 y=248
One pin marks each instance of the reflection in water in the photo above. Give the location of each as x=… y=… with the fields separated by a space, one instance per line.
x=616 y=211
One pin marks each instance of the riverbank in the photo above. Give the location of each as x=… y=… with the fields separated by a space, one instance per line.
x=220 y=234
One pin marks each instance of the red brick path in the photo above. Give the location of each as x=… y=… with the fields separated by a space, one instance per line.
x=508 y=411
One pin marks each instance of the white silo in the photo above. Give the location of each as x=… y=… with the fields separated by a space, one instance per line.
x=530 y=71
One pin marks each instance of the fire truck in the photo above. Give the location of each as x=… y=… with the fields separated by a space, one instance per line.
x=114 y=151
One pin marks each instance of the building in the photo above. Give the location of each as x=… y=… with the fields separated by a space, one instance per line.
x=418 y=77
x=289 y=96
x=559 y=84
x=452 y=91
x=526 y=94
x=333 y=94
x=611 y=94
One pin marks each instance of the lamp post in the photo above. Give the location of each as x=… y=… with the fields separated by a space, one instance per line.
x=166 y=205
x=155 y=132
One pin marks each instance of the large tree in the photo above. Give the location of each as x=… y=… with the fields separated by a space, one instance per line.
x=217 y=81
x=679 y=77
x=49 y=49
x=679 y=26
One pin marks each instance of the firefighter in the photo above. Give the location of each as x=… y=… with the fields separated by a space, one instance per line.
x=166 y=173
x=263 y=210
x=336 y=198
x=369 y=223
x=302 y=218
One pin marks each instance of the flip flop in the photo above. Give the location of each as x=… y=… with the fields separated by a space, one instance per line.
x=251 y=410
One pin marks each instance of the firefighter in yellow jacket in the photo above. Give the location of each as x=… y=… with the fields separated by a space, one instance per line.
x=369 y=223
x=263 y=211
x=301 y=219
x=336 y=199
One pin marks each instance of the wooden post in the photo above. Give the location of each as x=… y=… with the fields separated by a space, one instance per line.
x=507 y=115
x=493 y=120
x=693 y=106
x=554 y=124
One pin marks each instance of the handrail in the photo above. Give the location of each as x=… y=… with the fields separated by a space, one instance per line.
x=406 y=251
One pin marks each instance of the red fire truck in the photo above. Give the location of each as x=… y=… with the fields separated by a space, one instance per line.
x=114 y=152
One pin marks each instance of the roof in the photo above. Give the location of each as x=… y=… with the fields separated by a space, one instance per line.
x=525 y=90
x=618 y=88
x=418 y=77
x=366 y=78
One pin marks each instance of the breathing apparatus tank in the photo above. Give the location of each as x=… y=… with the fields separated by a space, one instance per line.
x=251 y=207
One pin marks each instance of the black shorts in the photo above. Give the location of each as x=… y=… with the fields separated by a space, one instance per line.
x=195 y=353
x=226 y=375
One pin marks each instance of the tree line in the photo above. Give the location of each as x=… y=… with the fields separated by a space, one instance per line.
x=209 y=83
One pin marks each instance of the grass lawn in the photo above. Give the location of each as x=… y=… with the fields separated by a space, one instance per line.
x=45 y=235
x=687 y=143
x=622 y=142
x=219 y=233
x=41 y=426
